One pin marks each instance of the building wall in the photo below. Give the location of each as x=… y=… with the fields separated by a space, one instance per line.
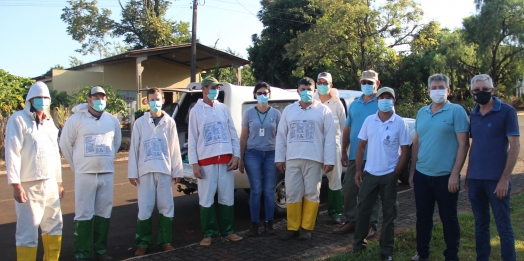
x=161 y=74
x=121 y=76
x=72 y=81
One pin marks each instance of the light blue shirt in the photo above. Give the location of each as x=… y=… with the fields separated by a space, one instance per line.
x=437 y=138
x=357 y=113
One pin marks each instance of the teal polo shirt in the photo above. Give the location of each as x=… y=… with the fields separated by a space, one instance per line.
x=357 y=113
x=437 y=138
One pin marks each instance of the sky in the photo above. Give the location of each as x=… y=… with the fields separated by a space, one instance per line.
x=33 y=38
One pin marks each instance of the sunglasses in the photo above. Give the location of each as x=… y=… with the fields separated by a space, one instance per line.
x=263 y=93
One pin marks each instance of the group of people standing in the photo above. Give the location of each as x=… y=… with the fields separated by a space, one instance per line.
x=312 y=137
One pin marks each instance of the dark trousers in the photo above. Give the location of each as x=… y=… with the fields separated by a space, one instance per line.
x=429 y=190
x=371 y=187
x=481 y=195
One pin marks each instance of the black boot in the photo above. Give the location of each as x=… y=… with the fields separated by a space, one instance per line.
x=268 y=227
x=253 y=231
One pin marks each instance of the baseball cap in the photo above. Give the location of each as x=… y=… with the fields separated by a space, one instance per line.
x=96 y=89
x=325 y=75
x=370 y=75
x=384 y=90
x=210 y=81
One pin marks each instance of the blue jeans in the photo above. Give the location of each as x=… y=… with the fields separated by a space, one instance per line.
x=262 y=174
x=481 y=196
x=429 y=190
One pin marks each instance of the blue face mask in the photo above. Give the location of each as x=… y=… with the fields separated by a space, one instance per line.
x=306 y=96
x=213 y=94
x=367 y=89
x=323 y=89
x=385 y=105
x=40 y=104
x=262 y=99
x=99 y=105
x=155 y=106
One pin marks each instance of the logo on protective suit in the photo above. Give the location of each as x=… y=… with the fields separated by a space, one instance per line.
x=216 y=132
x=156 y=149
x=302 y=131
x=96 y=145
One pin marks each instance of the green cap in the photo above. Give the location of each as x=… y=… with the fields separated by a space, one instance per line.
x=210 y=81
x=384 y=90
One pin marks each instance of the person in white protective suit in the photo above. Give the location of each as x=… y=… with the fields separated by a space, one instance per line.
x=214 y=152
x=328 y=96
x=154 y=163
x=35 y=172
x=89 y=141
x=305 y=148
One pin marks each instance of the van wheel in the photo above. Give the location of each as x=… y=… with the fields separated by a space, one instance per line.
x=280 y=196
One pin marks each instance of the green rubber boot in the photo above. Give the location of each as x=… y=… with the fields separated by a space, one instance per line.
x=83 y=238
x=144 y=233
x=165 y=230
x=101 y=230
x=208 y=221
x=335 y=203
x=226 y=214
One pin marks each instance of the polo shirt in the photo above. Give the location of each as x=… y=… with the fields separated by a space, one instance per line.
x=489 y=134
x=437 y=142
x=384 y=141
x=255 y=120
x=357 y=113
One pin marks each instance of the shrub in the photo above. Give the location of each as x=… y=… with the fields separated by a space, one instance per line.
x=115 y=102
x=12 y=91
x=126 y=144
x=139 y=113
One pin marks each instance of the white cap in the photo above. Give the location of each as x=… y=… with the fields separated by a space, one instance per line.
x=97 y=89
x=38 y=89
x=326 y=76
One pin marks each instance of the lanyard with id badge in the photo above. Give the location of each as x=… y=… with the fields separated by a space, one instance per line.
x=261 y=131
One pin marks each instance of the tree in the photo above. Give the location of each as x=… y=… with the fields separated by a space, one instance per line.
x=353 y=35
x=230 y=74
x=74 y=61
x=143 y=25
x=57 y=66
x=282 y=20
x=12 y=92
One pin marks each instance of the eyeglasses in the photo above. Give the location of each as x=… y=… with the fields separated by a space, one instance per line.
x=263 y=93
x=484 y=89
x=367 y=82
x=322 y=83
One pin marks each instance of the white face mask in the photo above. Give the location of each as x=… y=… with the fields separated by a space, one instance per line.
x=438 y=96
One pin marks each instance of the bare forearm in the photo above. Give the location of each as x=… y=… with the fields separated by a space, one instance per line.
x=345 y=139
x=461 y=158
x=359 y=159
x=513 y=154
x=403 y=159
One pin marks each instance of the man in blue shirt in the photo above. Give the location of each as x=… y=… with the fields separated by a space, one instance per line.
x=439 y=150
x=494 y=128
x=358 y=111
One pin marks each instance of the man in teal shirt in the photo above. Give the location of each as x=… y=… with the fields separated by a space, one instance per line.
x=439 y=149
x=358 y=111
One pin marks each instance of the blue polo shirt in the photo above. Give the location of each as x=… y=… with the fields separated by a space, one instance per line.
x=438 y=144
x=489 y=147
x=357 y=113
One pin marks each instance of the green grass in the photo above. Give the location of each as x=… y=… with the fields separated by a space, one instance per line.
x=405 y=244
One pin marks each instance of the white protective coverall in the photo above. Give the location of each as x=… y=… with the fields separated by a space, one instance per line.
x=90 y=146
x=33 y=160
x=154 y=158
x=305 y=142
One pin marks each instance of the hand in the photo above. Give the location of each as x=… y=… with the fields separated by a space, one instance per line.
x=176 y=180
x=233 y=163
x=502 y=189
x=134 y=181
x=197 y=171
x=241 y=166
x=61 y=190
x=281 y=166
x=328 y=168
x=454 y=183
x=344 y=160
x=411 y=183
x=358 y=178
x=19 y=193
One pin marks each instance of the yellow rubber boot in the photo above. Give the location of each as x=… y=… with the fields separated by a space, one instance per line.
x=294 y=215
x=52 y=245
x=25 y=253
x=309 y=214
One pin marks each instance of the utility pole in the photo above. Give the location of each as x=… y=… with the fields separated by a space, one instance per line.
x=193 y=42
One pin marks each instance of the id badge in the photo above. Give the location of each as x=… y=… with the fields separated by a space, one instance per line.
x=261 y=132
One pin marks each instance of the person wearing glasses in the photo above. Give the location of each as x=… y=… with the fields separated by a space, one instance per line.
x=435 y=177
x=387 y=135
x=493 y=154
x=257 y=150
x=328 y=96
x=214 y=152
x=305 y=148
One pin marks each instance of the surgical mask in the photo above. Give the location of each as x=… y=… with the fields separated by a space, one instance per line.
x=99 y=105
x=367 y=89
x=40 y=104
x=262 y=99
x=385 y=105
x=437 y=96
x=306 y=96
x=323 y=89
x=213 y=94
x=155 y=106
x=482 y=98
